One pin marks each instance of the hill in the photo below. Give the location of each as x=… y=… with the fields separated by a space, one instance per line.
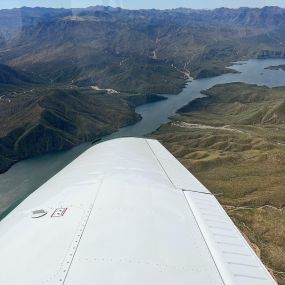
x=11 y=76
x=233 y=140
x=129 y=53
x=40 y=121
x=141 y=50
x=241 y=104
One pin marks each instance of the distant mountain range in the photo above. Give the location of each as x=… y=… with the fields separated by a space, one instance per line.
x=265 y=17
x=71 y=76
x=120 y=49
x=11 y=21
x=137 y=52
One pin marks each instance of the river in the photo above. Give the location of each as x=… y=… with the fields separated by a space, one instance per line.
x=26 y=176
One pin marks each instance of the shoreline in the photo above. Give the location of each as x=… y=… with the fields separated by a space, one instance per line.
x=136 y=100
x=139 y=100
x=28 y=175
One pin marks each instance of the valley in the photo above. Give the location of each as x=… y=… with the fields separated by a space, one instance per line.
x=72 y=77
x=37 y=118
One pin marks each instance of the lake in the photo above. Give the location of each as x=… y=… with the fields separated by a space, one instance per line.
x=26 y=176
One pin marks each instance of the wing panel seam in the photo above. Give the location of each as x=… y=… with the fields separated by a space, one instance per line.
x=78 y=237
x=159 y=162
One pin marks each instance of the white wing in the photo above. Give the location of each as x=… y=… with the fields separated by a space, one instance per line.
x=125 y=212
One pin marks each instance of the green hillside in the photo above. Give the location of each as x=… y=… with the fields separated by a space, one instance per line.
x=233 y=140
x=48 y=120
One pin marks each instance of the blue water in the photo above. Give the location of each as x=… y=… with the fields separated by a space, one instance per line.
x=26 y=176
x=158 y=113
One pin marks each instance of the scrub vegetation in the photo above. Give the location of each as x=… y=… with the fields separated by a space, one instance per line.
x=233 y=140
x=71 y=76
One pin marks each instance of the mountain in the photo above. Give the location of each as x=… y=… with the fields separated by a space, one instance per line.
x=71 y=76
x=12 y=21
x=60 y=58
x=45 y=120
x=269 y=17
x=265 y=17
x=144 y=50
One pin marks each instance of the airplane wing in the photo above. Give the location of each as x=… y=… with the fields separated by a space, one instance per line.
x=125 y=212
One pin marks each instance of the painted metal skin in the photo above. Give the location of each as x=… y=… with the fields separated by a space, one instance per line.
x=125 y=212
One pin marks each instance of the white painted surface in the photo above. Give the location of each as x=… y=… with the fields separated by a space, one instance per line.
x=125 y=221
x=180 y=177
x=235 y=259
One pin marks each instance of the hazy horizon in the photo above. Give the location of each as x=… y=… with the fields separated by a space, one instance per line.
x=147 y=4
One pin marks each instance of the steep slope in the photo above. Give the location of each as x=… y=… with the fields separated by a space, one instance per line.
x=11 y=76
x=55 y=120
x=137 y=52
x=146 y=50
x=91 y=52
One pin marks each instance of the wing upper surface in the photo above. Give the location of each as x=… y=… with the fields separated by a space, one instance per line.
x=132 y=214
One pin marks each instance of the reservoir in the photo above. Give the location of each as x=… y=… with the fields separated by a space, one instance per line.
x=26 y=176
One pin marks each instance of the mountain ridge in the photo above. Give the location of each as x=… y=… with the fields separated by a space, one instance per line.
x=86 y=42
x=132 y=52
